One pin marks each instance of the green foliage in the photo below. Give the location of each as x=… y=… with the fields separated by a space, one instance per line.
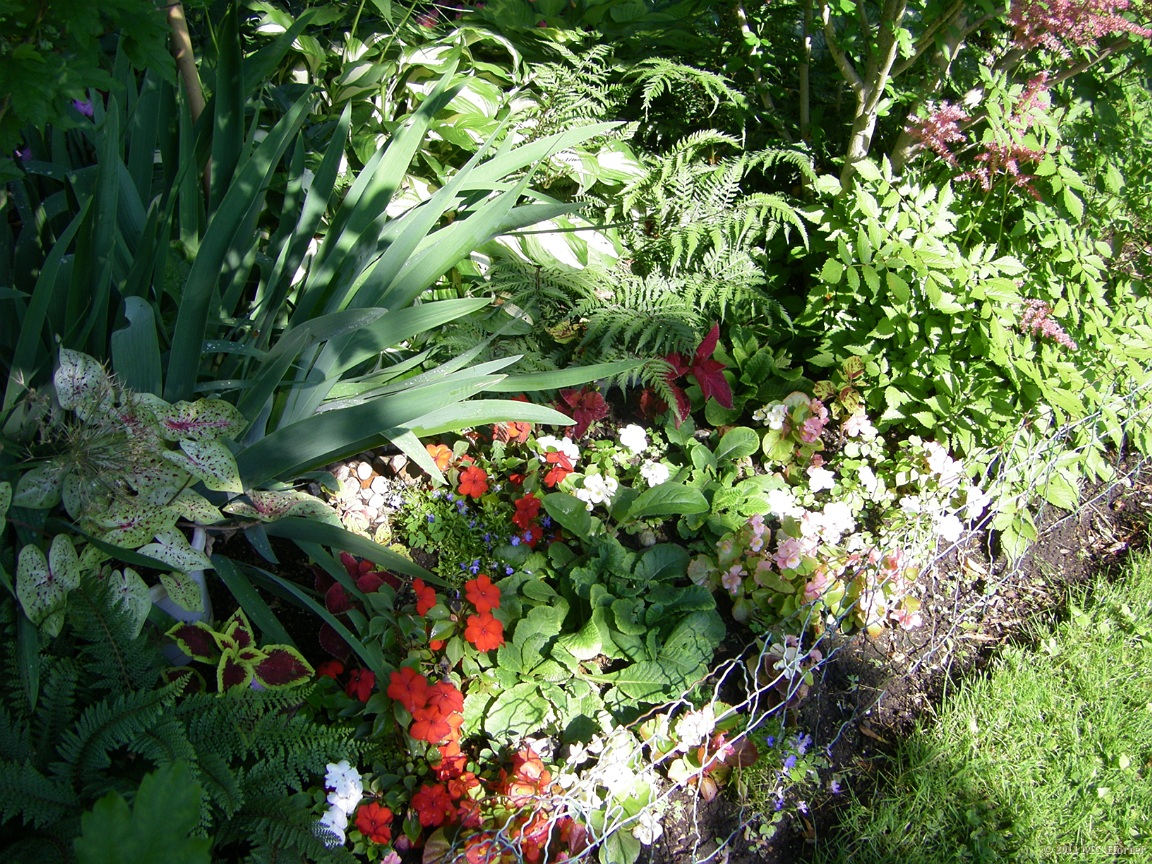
x=154 y=831
x=105 y=716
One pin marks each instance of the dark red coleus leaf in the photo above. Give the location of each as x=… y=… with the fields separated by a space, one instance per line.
x=585 y=406
x=334 y=643
x=282 y=667
x=708 y=372
x=336 y=599
x=196 y=640
x=232 y=673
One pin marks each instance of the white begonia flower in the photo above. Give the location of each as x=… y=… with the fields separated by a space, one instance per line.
x=858 y=425
x=976 y=501
x=331 y=827
x=634 y=438
x=820 y=478
x=655 y=473
x=949 y=527
x=693 y=728
x=648 y=826
x=782 y=503
x=867 y=478
x=772 y=416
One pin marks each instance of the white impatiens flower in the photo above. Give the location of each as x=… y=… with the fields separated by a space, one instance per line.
x=820 y=478
x=859 y=426
x=655 y=473
x=781 y=502
x=867 y=478
x=693 y=728
x=949 y=527
x=345 y=786
x=634 y=438
x=598 y=489
x=331 y=827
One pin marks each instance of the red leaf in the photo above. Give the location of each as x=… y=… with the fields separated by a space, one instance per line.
x=231 y=673
x=709 y=375
x=334 y=643
x=283 y=667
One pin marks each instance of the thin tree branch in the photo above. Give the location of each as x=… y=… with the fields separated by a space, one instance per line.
x=838 y=56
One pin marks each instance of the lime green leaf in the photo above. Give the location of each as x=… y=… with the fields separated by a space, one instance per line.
x=516 y=712
x=43 y=582
x=40 y=488
x=183 y=590
x=132 y=523
x=898 y=288
x=81 y=383
x=737 y=443
x=202 y=420
x=173 y=548
x=130 y=590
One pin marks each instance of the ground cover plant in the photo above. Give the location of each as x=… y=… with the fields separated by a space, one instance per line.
x=517 y=394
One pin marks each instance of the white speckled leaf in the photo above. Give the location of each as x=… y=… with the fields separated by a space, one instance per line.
x=39 y=489
x=268 y=506
x=42 y=582
x=81 y=383
x=202 y=420
x=183 y=590
x=173 y=549
x=196 y=508
x=81 y=497
x=91 y=558
x=131 y=523
x=158 y=480
x=209 y=461
x=130 y=590
x=5 y=501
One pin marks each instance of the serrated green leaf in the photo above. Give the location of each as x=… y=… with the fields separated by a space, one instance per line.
x=585 y=644
x=898 y=288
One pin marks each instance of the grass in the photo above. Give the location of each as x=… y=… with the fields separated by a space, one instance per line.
x=1047 y=758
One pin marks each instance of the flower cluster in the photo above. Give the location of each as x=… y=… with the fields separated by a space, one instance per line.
x=1056 y=24
x=939 y=130
x=1036 y=319
x=345 y=789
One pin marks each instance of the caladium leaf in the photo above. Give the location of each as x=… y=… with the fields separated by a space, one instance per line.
x=197 y=640
x=173 y=549
x=210 y=462
x=283 y=666
x=43 y=582
x=81 y=496
x=132 y=592
x=131 y=523
x=232 y=672
x=157 y=480
x=202 y=420
x=91 y=558
x=5 y=501
x=81 y=383
x=268 y=506
x=196 y=508
x=40 y=488
x=183 y=591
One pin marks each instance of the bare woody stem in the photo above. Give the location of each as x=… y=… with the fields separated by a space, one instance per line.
x=186 y=63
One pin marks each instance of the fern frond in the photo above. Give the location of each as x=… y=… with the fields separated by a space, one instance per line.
x=30 y=796
x=657 y=76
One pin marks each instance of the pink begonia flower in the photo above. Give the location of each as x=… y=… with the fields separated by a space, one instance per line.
x=788 y=554
x=859 y=426
x=817 y=587
x=733 y=579
x=906 y=620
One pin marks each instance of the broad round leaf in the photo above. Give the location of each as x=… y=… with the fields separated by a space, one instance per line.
x=81 y=383
x=202 y=420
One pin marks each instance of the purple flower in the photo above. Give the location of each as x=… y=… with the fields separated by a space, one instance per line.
x=545 y=521
x=83 y=106
x=508 y=571
x=514 y=540
x=790 y=763
x=834 y=787
x=488 y=537
x=771 y=741
x=475 y=568
x=431 y=518
x=23 y=154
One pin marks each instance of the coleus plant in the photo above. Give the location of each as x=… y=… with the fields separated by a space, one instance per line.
x=239 y=661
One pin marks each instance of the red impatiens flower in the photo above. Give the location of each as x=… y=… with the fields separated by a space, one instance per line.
x=585 y=406
x=484 y=631
x=409 y=688
x=330 y=669
x=374 y=821
x=361 y=683
x=561 y=467
x=517 y=478
x=482 y=594
x=444 y=699
x=433 y=805
x=425 y=596
x=473 y=482
x=709 y=374
x=527 y=509
x=427 y=726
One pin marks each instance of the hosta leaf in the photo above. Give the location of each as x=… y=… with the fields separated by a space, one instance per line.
x=283 y=666
x=131 y=523
x=43 y=582
x=197 y=640
x=202 y=420
x=40 y=488
x=209 y=461
x=81 y=383
x=130 y=590
x=183 y=590
x=173 y=549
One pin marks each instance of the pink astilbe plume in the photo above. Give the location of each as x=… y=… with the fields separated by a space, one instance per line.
x=1036 y=319
x=1056 y=24
x=1004 y=159
x=939 y=130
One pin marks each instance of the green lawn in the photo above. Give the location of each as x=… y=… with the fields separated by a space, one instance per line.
x=1047 y=758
